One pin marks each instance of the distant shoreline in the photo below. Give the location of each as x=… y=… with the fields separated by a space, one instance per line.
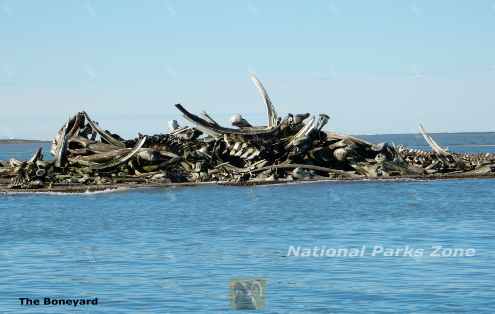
x=369 y=137
x=19 y=141
x=3 y=142
x=432 y=133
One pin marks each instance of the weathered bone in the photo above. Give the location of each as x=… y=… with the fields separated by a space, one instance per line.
x=37 y=156
x=218 y=131
x=105 y=156
x=61 y=147
x=238 y=121
x=322 y=121
x=78 y=121
x=291 y=148
x=302 y=132
x=272 y=114
x=82 y=141
x=437 y=149
x=209 y=118
x=110 y=139
x=173 y=125
x=122 y=160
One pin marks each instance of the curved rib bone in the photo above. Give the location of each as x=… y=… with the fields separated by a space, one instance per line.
x=77 y=120
x=437 y=149
x=61 y=146
x=302 y=132
x=37 y=156
x=123 y=159
x=313 y=124
x=110 y=139
x=217 y=130
x=272 y=114
x=322 y=121
x=209 y=118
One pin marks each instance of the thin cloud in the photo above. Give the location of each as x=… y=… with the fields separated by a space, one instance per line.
x=90 y=9
x=6 y=9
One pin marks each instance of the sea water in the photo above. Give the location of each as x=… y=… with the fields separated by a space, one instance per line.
x=175 y=250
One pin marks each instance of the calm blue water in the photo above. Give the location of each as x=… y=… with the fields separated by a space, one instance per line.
x=23 y=151
x=175 y=250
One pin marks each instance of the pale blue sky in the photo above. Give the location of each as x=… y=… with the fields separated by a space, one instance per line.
x=373 y=66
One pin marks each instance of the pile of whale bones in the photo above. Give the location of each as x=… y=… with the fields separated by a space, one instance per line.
x=291 y=148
